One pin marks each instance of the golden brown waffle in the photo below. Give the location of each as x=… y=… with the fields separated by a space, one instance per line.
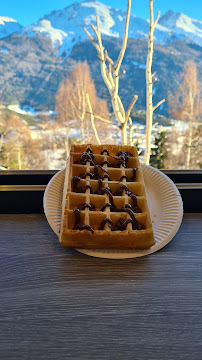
x=104 y=200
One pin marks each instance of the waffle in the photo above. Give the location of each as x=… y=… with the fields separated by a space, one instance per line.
x=104 y=200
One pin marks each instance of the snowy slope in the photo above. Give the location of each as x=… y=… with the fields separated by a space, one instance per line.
x=45 y=28
x=8 y=26
x=181 y=24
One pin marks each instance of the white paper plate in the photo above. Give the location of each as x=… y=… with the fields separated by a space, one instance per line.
x=164 y=201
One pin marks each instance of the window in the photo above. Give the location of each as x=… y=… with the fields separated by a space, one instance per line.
x=21 y=191
x=53 y=94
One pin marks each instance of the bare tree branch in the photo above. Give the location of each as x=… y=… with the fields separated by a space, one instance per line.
x=91 y=39
x=122 y=73
x=130 y=130
x=150 y=79
x=121 y=108
x=158 y=104
x=130 y=107
x=92 y=119
x=154 y=80
x=125 y=38
x=94 y=29
x=102 y=56
x=110 y=73
x=100 y=118
x=108 y=58
x=98 y=27
x=157 y=18
x=194 y=139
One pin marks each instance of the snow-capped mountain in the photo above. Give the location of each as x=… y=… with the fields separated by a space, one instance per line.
x=45 y=28
x=181 y=24
x=35 y=59
x=65 y=27
x=9 y=26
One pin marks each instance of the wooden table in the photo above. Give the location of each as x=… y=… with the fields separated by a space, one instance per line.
x=60 y=304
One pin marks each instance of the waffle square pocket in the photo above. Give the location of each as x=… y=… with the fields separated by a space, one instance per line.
x=104 y=200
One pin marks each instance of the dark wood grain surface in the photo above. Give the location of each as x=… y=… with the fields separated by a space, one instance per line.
x=60 y=304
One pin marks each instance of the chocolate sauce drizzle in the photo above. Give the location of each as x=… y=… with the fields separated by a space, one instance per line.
x=87 y=173
x=91 y=207
x=120 y=191
x=132 y=178
x=121 y=224
x=136 y=224
x=104 y=163
x=88 y=156
x=75 y=181
x=78 y=225
x=112 y=207
x=122 y=158
x=104 y=151
x=102 y=189
x=106 y=176
x=105 y=221
x=133 y=207
x=99 y=190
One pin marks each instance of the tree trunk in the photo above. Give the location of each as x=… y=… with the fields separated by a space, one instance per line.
x=130 y=131
x=1 y=141
x=92 y=120
x=117 y=109
x=8 y=161
x=149 y=120
x=189 y=145
x=191 y=100
x=67 y=145
x=19 y=156
x=111 y=73
x=124 y=134
x=81 y=117
x=149 y=104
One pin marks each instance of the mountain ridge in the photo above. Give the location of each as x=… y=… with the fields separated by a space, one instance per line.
x=67 y=29
x=9 y=26
x=35 y=59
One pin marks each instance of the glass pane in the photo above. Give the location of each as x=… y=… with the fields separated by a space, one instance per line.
x=67 y=78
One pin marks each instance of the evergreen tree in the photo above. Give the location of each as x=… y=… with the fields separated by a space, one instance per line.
x=158 y=152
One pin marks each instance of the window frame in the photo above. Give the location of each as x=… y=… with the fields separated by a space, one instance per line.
x=21 y=191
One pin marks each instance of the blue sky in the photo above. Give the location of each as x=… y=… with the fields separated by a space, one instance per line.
x=26 y=12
